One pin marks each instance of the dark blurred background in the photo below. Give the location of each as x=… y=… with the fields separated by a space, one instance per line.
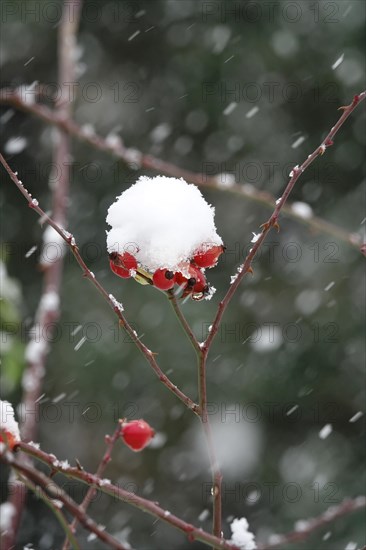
x=233 y=86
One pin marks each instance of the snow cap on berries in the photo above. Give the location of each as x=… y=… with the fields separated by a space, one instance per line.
x=161 y=221
x=9 y=429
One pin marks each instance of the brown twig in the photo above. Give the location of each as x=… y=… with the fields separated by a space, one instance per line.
x=183 y=321
x=109 y=298
x=204 y=348
x=203 y=414
x=336 y=512
x=55 y=509
x=43 y=481
x=206 y=425
x=48 y=310
x=310 y=525
x=246 y=267
x=111 y=440
x=148 y=506
x=14 y=98
x=242 y=270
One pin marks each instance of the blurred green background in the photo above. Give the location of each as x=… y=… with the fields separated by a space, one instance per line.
x=160 y=74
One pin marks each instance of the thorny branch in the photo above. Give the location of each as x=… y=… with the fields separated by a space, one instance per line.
x=193 y=533
x=109 y=298
x=202 y=349
x=137 y=160
x=43 y=481
x=111 y=441
x=310 y=525
x=246 y=267
x=103 y=485
x=48 y=308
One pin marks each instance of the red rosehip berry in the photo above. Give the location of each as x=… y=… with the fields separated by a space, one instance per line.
x=197 y=282
x=164 y=279
x=137 y=434
x=209 y=257
x=122 y=264
x=180 y=279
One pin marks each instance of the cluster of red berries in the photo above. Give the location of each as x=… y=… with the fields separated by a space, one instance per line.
x=136 y=434
x=125 y=265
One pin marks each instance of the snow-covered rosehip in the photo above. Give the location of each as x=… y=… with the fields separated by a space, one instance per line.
x=164 y=279
x=167 y=220
x=209 y=257
x=137 y=434
x=122 y=264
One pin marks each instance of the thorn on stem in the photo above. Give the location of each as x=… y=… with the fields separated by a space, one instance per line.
x=265 y=226
x=78 y=465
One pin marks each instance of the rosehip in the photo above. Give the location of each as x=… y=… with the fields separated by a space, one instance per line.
x=180 y=279
x=122 y=264
x=197 y=282
x=8 y=438
x=137 y=434
x=164 y=279
x=209 y=257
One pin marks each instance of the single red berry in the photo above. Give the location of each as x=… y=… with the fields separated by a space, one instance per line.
x=197 y=282
x=209 y=257
x=164 y=279
x=180 y=279
x=137 y=434
x=122 y=264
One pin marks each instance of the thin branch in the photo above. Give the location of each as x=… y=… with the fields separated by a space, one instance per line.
x=130 y=156
x=246 y=267
x=204 y=417
x=111 y=440
x=43 y=481
x=310 y=525
x=183 y=321
x=109 y=298
x=39 y=492
x=242 y=270
x=336 y=512
x=46 y=316
x=148 y=506
x=206 y=425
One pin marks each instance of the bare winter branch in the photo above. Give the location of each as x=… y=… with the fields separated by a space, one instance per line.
x=43 y=481
x=308 y=526
x=246 y=267
x=48 y=310
x=137 y=159
x=109 y=298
